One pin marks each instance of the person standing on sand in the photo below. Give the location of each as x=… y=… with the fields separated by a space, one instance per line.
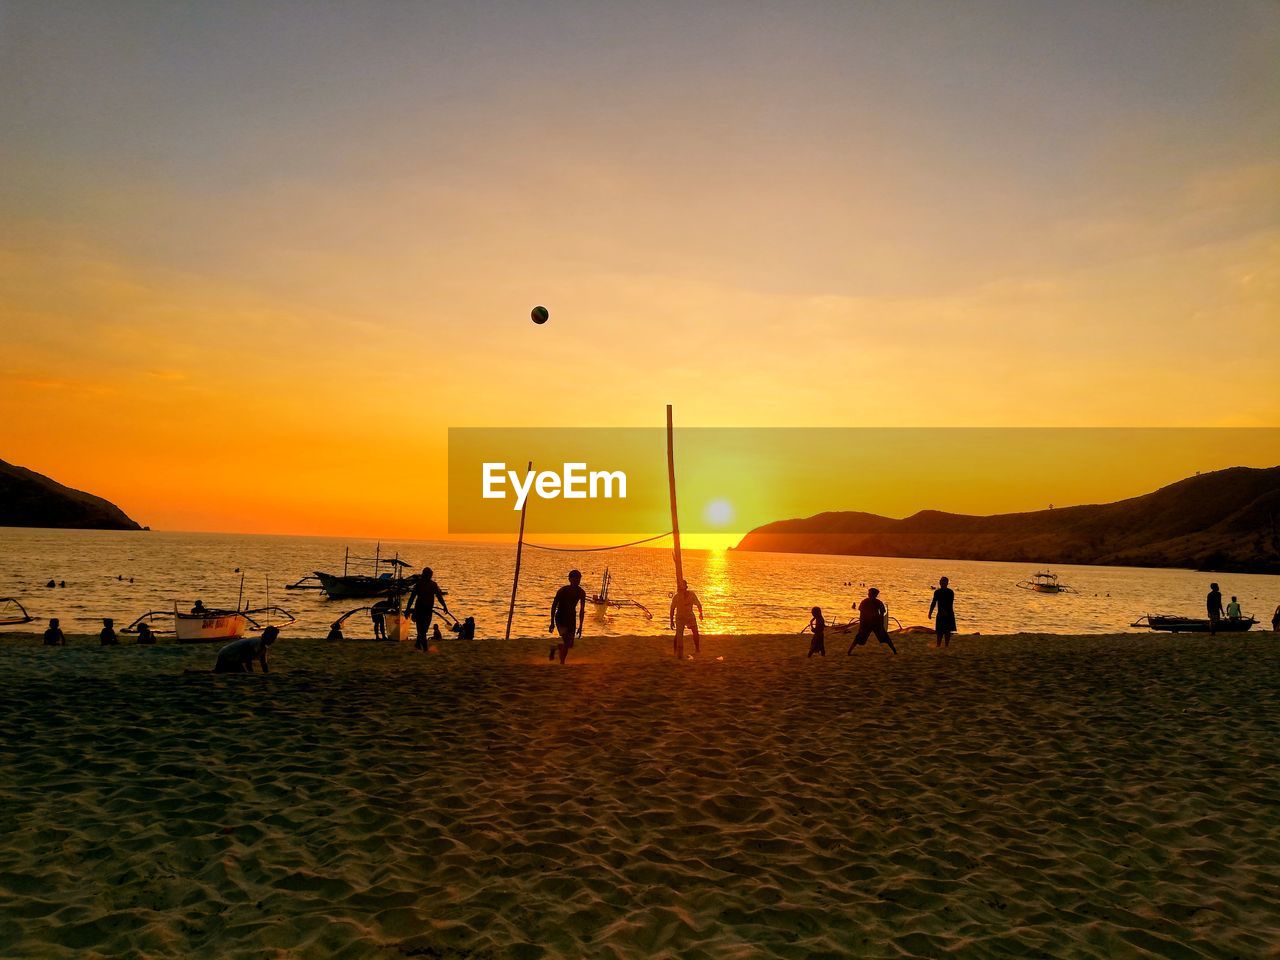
x=54 y=637
x=238 y=656
x=421 y=605
x=872 y=614
x=1275 y=620
x=683 y=602
x=1214 y=604
x=944 y=600
x=568 y=598
x=818 y=625
x=108 y=635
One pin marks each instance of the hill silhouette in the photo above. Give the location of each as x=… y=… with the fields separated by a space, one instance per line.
x=1225 y=520
x=30 y=499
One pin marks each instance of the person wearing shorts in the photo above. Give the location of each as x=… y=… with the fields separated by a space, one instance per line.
x=871 y=617
x=944 y=602
x=682 y=616
x=569 y=599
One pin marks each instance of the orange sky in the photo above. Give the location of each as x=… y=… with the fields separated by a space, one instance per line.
x=255 y=264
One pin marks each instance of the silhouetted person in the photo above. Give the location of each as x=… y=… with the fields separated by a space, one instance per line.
x=421 y=605
x=944 y=600
x=51 y=583
x=199 y=609
x=61 y=584
x=108 y=635
x=436 y=635
x=238 y=656
x=54 y=637
x=378 y=614
x=146 y=637
x=1214 y=604
x=335 y=631
x=871 y=618
x=818 y=625
x=568 y=598
x=1275 y=620
x=1233 y=609
x=466 y=630
x=683 y=604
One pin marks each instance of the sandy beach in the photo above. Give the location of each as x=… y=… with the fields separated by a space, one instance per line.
x=1012 y=796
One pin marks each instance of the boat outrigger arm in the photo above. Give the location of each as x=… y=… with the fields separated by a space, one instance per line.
x=259 y=618
x=13 y=613
x=309 y=582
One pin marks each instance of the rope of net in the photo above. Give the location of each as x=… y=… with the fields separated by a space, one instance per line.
x=633 y=543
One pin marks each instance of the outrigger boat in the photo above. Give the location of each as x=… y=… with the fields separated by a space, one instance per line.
x=1172 y=624
x=851 y=626
x=603 y=602
x=354 y=586
x=209 y=624
x=1045 y=582
x=398 y=627
x=13 y=613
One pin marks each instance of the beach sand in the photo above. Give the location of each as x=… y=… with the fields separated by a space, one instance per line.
x=1014 y=796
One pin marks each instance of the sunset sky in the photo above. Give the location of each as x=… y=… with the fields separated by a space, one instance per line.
x=256 y=259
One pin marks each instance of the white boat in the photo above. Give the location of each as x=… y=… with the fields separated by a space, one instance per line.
x=1044 y=582
x=208 y=627
x=211 y=625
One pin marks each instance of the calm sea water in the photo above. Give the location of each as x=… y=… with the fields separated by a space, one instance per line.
x=742 y=593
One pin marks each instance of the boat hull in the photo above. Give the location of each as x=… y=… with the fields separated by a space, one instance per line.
x=212 y=629
x=1194 y=625
x=358 y=587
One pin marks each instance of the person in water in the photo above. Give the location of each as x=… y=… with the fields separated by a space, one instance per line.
x=238 y=655
x=107 y=637
x=146 y=637
x=54 y=637
x=944 y=601
x=1233 y=609
x=568 y=599
x=681 y=615
x=1214 y=604
x=422 y=604
x=818 y=625
x=872 y=614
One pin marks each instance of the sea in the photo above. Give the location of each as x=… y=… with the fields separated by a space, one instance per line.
x=123 y=575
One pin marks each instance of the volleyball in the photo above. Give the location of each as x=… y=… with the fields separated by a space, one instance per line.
x=539 y=315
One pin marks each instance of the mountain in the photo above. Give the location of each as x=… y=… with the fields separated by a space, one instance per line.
x=1225 y=520
x=29 y=499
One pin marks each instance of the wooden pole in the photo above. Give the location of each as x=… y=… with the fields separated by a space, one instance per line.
x=515 y=581
x=671 y=482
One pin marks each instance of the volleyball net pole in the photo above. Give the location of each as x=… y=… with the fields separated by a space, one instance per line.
x=671 y=483
x=515 y=580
